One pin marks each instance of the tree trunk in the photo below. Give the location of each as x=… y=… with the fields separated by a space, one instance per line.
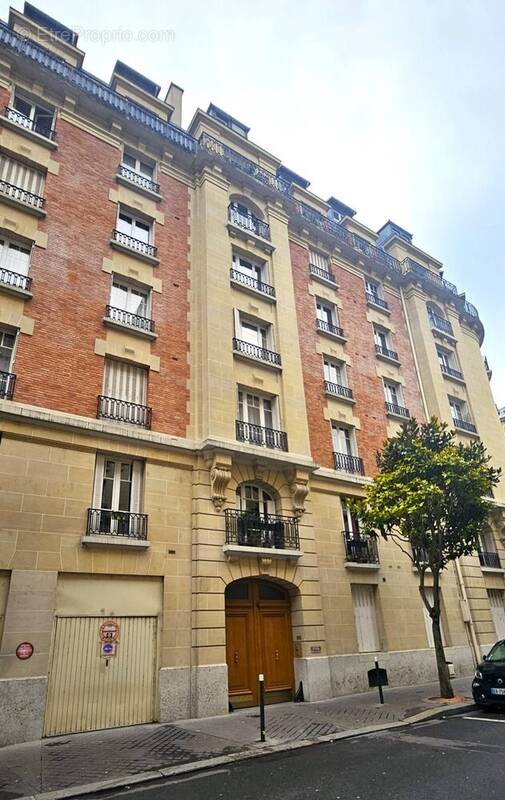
x=443 y=669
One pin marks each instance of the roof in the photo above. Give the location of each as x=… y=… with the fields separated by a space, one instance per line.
x=50 y=24
x=137 y=78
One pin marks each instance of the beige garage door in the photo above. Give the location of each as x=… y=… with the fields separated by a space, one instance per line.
x=88 y=692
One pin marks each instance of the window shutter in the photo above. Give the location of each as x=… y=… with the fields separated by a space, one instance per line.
x=19 y=174
x=125 y=382
x=497 y=611
x=97 y=491
x=318 y=260
x=136 y=495
x=366 y=618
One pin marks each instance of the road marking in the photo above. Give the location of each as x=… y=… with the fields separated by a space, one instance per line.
x=486 y=719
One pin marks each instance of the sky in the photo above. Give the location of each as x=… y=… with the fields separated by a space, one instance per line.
x=395 y=107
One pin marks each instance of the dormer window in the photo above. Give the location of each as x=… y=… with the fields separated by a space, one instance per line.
x=30 y=114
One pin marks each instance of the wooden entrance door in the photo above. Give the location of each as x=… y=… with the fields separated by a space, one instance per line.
x=258 y=640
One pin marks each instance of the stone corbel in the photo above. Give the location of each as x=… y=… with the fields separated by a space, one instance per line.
x=299 y=488
x=220 y=475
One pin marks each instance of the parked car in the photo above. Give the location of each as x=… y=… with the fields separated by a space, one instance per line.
x=488 y=685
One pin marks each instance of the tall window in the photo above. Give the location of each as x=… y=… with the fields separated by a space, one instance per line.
x=392 y=393
x=135 y=227
x=251 y=331
x=40 y=118
x=246 y=266
x=241 y=215
x=118 y=488
x=7 y=345
x=138 y=164
x=254 y=499
x=326 y=312
x=343 y=439
x=365 y=615
x=497 y=611
x=382 y=339
x=129 y=297
x=457 y=409
x=256 y=409
x=14 y=256
x=350 y=520
x=125 y=382
x=334 y=371
x=319 y=260
x=373 y=289
x=22 y=176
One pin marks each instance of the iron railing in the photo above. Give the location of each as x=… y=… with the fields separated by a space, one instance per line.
x=105 y=522
x=248 y=529
x=319 y=272
x=464 y=425
x=411 y=267
x=244 y=164
x=127 y=318
x=253 y=351
x=124 y=411
x=420 y=555
x=18 y=193
x=376 y=300
x=338 y=389
x=386 y=352
x=398 y=411
x=252 y=283
x=451 y=372
x=7 y=384
x=257 y=434
x=440 y=323
x=347 y=463
x=488 y=558
x=15 y=279
x=43 y=129
x=360 y=549
x=249 y=222
x=328 y=327
x=138 y=179
x=134 y=244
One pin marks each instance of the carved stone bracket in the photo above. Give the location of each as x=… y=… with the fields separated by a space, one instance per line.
x=220 y=475
x=299 y=488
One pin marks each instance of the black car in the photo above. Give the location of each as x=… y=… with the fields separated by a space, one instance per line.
x=488 y=685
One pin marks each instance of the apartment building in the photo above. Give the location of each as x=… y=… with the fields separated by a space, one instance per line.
x=199 y=361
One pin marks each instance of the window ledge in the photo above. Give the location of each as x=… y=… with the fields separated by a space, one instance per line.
x=250 y=236
x=15 y=290
x=389 y=360
x=495 y=570
x=138 y=188
x=453 y=378
x=377 y=307
x=250 y=290
x=359 y=565
x=332 y=284
x=102 y=540
x=463 y=432
x=32 y=135
x=241 y=551
x=259 y=361
x=399 y=417
x=349 y=400
x=123 y=248
x=11 y=201
x=448 y=337
x=331 y=335
x=112 y=323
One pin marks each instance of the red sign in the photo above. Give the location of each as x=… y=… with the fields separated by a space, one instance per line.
x=24 y=650
x=109 y=631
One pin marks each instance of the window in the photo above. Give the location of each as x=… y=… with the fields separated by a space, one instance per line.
x=444 y=358
x=256 y=409
x=427 y=619
x=129 y=297
x=381 y=336
x=497 y=611
x=125 y=382
x=392 y=392
x=350 y=519
x=21 y=176
x=252 y=331
x=39 y=119
x=118 y=488
x=246 y=266
x=343 y=439
x=319 y=260
x=240 y=215
x=457 y=409
x=7 y=345
x=255 y=500
x=138 y=164
x=326 y=312
x=134 y=226
x=334 y=371
x=373 y=289
x=14 y=257
x=365 y=615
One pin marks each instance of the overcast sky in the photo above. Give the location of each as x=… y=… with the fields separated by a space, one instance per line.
x=396 y=107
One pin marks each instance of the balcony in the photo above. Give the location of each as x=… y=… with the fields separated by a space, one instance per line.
x=441 y=324
x=323 y=275
x=7 y=383
x=105 y=527
x=146 y=251
x=14 y=281
x=123 y=411
x=253 y=284
x=125 y=319
x=269 y=535
x=414 y=269
x=337 y=390
x=248 y=222
x=17 y=196
x=464 y=425
x=385 y=352
x=139 y=181
x=34 y=126
x=258 y=435
x=374 y=300
x=360 y=549
x=450 y=372
x=489 y=559
x=346 y=463
x=249 y=350
x=330 y=329
x=394 y=410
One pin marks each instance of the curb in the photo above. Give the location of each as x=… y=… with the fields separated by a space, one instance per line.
x=259 y=750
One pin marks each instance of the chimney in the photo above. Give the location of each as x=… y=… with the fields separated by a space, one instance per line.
x=174 y=98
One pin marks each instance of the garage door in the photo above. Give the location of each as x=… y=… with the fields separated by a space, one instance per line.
x=88 y=692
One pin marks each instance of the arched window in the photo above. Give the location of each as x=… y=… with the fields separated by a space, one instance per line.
x=255 y=500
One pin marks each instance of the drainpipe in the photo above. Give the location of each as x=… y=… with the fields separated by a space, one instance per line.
x=467 y=616
x=414 y=355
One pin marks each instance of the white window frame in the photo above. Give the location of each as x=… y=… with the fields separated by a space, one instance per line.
x=393 y=393
x=350 y=520
x=364 y=600
x=136 y=219
x=327 y=311
x=460 y=407
x=243 y=407
x=139 y=162
x=373 y=288
x=381 y=333
x=343 y=435
x=262 y=329
x=130 y=287
x=319 y=260
x=253 y=268
x=7 y=243
x=266 y=503
x=34 y=105
x=333 y=369
x=12 y=358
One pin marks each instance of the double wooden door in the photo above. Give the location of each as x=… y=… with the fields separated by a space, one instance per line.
x=258 y=640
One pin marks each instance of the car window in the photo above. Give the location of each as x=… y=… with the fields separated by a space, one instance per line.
x=497 y=653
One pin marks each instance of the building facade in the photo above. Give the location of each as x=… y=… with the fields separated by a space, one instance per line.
x=199 y=361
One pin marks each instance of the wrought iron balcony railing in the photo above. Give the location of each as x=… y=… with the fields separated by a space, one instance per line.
x=360 y=549
x=464 y=425
x=266 y=530
x=319 y=272
x=7 y=384
x=440 y=323
x=37 y=126
x=489 y=558
x=15 y=279
x=411 y=267
x=123 y=411
x=451 y=372
x=386 y=352
x=134 y=244
x=375 y=300
x=128 y=524
x=18 y=193
x=244 y=164
x=257 y=434
x=420 y=554
x=253 y=351
x=347 y=463
x=249 y=222
x=398 y=411
x=138 y=179
x=338 y=390
x=127 y=318
x=328 y=327
x=253 y=283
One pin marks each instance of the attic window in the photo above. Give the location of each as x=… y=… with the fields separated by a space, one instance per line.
x=226 y=119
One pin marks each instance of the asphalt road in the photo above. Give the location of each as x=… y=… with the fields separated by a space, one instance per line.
x=460 y=757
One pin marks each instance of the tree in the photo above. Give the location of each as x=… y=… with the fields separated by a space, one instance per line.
x=429 y=497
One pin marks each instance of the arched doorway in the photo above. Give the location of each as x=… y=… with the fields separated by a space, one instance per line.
x=258 y=640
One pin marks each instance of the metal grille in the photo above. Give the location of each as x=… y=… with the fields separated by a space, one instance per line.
x=386 y=352
x=348 y=463
x=15 y=279
x=249 y=222
x=451 y=372
x=257 y=434
x=376 y=300
x=134 y=244
x=124 y=411
x=360 y=549
x=267 y=530
x=338 y=389
x=32 y=125
x=398 y=411
x=138 y=179
x=17 y=193
x=127 y=318
x=244 y=164
x=7 y=383
x=464 y=425
x=318 y=272
x=440 y=323
x=252 y=350
x=253 y=283
x=327 y=327
x=103 y=521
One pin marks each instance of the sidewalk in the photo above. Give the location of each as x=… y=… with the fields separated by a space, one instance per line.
x=122 y=755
